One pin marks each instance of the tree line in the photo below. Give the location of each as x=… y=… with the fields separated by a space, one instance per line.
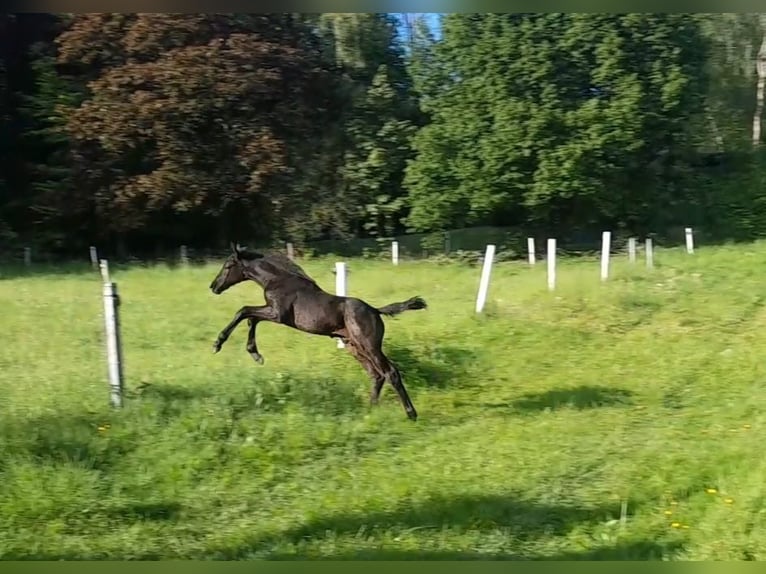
x=135 y=131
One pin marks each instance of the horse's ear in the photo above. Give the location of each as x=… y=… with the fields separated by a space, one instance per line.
x=234 y=249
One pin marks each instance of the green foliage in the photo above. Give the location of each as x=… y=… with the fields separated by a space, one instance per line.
x=560 y=118
x=148 y=130
x=373 y=139
x=55 y=200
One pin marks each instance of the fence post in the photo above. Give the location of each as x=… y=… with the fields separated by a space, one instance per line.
x=486 y=270
x=290 y=252
x=531 y=250
x=93 y=257
x=27 y=256
x=113 y=343
x=649 y=253
x=340 y=286
x=632 y=249
x=184 y=255
x=551 y=264
x=689 y=240
x=395 y=252
x=606 y=238
x=447 y=243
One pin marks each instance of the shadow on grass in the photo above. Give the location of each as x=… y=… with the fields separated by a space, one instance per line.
x=274 y=392
x=514 y=522
x=580 y=398
x=167 y=393
x=145 y=511
x=628 y=551
x=264 y=393
x=64 y=438
x=441 y=368
x=87 y=439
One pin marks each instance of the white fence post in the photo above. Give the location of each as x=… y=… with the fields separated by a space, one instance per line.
x=27 y=256
x=632 y=249
x=649 y=253
x=104 y=266
x=689 y=240
x=486 y=270
x=606 y=239
x=340 y=286
x=93 y=257
x=184 y=255
x=113 y=344
x=551 y=264
x=531 y=250
x=395 y=252
x=290 y=252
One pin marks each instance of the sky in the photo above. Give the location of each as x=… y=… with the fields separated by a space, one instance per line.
x=432 y=19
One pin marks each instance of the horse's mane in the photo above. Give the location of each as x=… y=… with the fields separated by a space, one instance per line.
x=285 y=264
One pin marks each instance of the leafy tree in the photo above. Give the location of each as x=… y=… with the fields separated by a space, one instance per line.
x=567 y=120
x=371 y=142
x=194 y=123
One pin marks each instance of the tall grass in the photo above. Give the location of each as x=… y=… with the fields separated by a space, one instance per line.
x=538 y=419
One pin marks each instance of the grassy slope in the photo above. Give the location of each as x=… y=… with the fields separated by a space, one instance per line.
x=536 y=419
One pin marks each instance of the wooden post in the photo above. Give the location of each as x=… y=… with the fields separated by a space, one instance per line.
x=551 y=264
x=447 y=243
x=113 y=344
x=486 y=270
x=689 y=240
x=27 y=256
x=395 y=252
x=290 y=252
x=184 y=256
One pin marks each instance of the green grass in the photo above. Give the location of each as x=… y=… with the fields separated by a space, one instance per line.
x=537 y=419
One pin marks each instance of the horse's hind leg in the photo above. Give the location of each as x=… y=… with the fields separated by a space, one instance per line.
x=366 y=330
x=383 y=365
x=395 y=378
x=378 y=379
x=252 y=348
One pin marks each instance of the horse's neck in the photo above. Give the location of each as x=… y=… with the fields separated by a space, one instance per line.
x=257 y=278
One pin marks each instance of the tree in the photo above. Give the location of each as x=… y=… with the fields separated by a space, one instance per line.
x=371 y=141
x=194 y=124
x=5 y=229
x=566 y=120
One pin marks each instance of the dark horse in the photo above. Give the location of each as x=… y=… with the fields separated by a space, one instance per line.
x=294 y=299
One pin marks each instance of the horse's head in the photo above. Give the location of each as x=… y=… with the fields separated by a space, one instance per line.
x=234 y=269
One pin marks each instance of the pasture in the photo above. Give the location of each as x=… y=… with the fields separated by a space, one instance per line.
x=538 y=419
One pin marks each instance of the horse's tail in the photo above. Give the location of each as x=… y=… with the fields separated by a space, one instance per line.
x=411 y=304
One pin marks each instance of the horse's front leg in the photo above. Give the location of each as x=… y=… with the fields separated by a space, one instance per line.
x=252 y=348
x=260 y=313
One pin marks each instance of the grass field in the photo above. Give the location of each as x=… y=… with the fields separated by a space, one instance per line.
x=537 y=419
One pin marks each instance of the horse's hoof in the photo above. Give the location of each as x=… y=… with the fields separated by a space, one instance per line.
x=258 y=358
x=216 y=347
